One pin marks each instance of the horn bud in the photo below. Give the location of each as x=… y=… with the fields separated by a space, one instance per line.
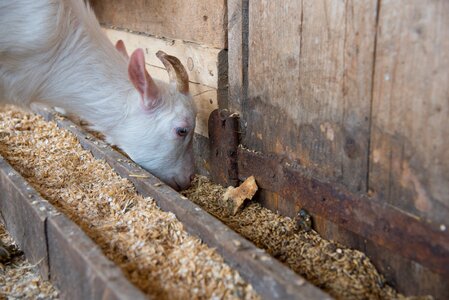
x=176 y=71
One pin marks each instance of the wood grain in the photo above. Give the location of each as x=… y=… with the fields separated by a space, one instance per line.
x=80 y=270
x=236 y=25
x=369 y=218
x=62 y=251
x=201 y=62
x=409 y=161
x=309 y=85
x=201 y=21
x=24 y=214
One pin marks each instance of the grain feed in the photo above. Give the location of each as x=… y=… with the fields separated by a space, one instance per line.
x=341 y=272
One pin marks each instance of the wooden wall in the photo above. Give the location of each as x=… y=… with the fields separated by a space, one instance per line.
x=200 y=21
x=354 y=92
x=357 y=93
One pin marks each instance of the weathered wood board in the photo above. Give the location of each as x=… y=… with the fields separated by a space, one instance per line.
x=63 y=252
x=17 y=197
x=202 y=21
x=370 y=218
x=356 y=94
x=79 y=268
x=201 y=62
x=237 y=29
x=309 y=85
x=409 y=161
x=205 y=66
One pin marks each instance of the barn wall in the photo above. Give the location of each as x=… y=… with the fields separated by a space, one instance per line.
x=357 y=94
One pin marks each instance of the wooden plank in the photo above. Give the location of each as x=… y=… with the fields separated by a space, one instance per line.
x=309 y=85
x=63 y=252
x=202 y=21
x=370 y=218
x=205 y=66
x=79 y=268
x=24 y=213
x=270 y=278
x=201 y=62
x=409 y=162
x=405 y=275
x=202 y=155
x=236 y=26
x=307 y=91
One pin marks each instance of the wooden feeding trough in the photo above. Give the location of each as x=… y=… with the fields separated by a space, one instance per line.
x=77 y=266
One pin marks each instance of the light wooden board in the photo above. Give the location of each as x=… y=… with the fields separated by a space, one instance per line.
x=410 y=120
x=202 y=64
x=202 y=21
x=309 y=84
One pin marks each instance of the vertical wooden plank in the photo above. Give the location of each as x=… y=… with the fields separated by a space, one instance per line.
x=310 y=67
x=235 y=54
x=409 y=162
x=309 y=84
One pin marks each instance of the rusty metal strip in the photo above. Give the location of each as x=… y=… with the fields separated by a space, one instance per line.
x=223 y=143
x=270 y=278
x=378 y=222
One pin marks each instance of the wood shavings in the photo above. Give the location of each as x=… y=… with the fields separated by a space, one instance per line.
x=343 y=273
x=18 y=278
x=138 y=176
x=235 y=197
x=151 y=246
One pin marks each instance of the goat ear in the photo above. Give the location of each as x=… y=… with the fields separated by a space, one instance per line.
x=142 y=81
x=120 y=46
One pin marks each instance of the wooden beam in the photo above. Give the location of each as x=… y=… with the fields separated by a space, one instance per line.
x=385 y=225
x=24 y=213
x=409 y=156
x=201 y=62
x=201 y=21
x=78 y=267
x=63 y=252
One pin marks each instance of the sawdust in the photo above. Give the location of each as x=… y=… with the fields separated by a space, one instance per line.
x=151 y=246
x=18 y=278
x=341 y=272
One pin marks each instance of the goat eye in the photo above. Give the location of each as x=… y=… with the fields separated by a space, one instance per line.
x=182 y=131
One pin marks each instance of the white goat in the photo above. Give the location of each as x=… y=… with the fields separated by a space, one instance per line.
x=54 y=52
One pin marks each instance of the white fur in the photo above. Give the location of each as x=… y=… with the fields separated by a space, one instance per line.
x=53 y=52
